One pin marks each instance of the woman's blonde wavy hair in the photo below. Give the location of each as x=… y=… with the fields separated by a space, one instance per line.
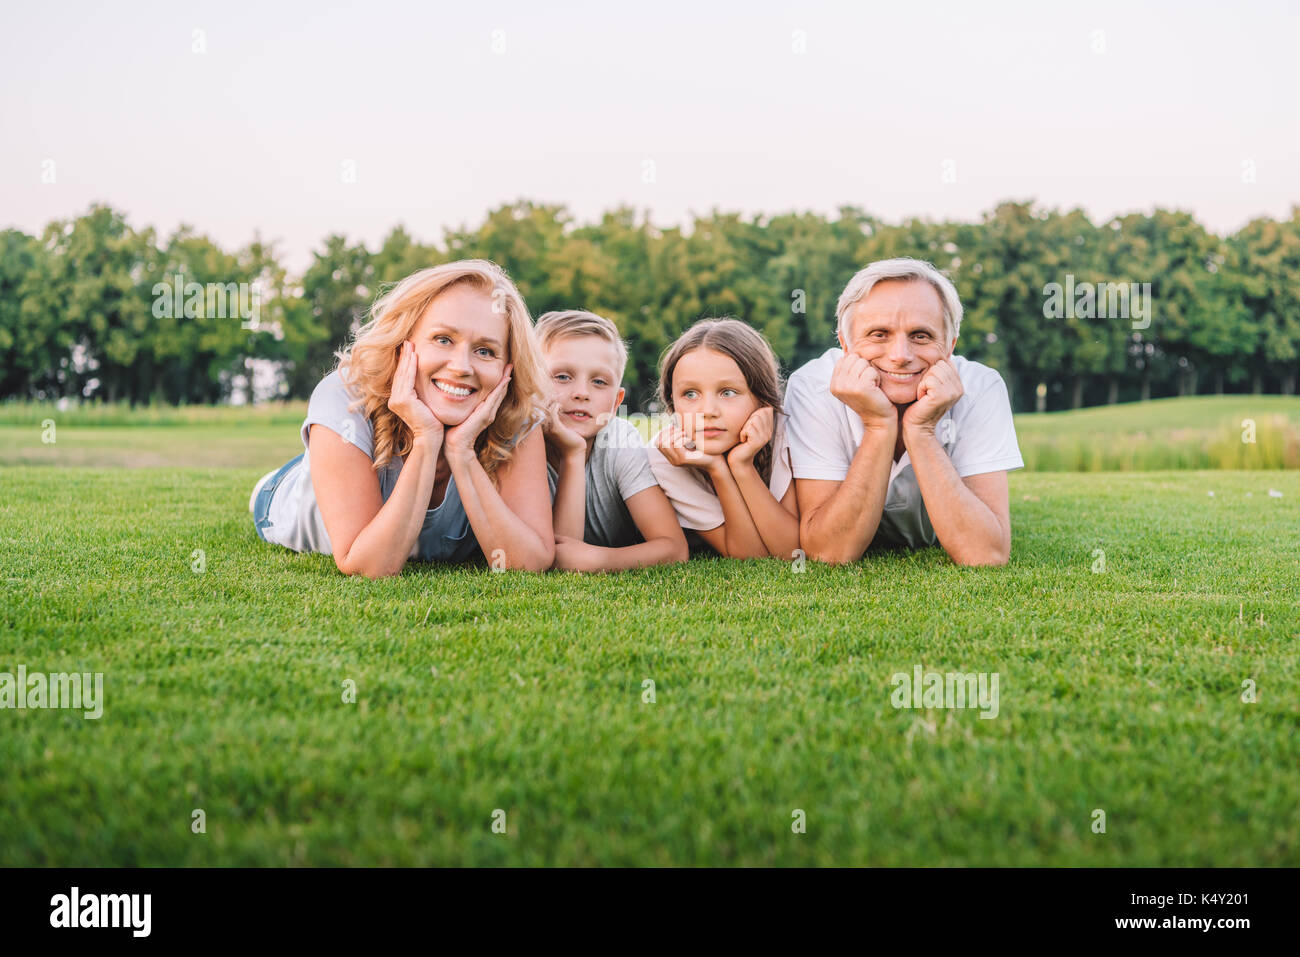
x=369 y=361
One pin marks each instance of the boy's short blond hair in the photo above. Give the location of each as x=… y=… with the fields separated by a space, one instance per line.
x=578 y=322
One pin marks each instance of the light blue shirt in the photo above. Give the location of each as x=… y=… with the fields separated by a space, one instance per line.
x=295 y=519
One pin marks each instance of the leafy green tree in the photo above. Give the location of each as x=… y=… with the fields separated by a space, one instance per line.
x=337 y=289
x=1265 y=264
x=87 y=308
x=20 y=357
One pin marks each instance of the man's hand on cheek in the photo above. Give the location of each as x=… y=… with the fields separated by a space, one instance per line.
x=938 y=391
x=856 y=383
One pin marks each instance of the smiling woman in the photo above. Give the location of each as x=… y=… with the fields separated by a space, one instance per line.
x=422 y=443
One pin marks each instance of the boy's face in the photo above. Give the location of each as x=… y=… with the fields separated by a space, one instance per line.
x=585 y=382
x=713 y=400
x=460 y=343
x=898 y=328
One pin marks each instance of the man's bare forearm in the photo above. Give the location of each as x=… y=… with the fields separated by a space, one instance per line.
x=840 y=529
x=966 y=528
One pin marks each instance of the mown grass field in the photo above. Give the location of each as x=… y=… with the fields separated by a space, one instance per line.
x=1120 y=689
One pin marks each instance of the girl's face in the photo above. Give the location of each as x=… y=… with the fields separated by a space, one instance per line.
x=460 y=350
x=711 y=394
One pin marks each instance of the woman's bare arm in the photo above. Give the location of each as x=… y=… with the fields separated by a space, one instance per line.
x=369 y=536
x=514 y=521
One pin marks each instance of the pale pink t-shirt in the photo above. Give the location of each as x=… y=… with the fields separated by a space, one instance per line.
x=691 y=491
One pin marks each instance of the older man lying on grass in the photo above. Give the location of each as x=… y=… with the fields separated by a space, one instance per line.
x=895 y=440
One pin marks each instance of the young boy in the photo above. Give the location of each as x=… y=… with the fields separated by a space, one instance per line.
x=609 y=512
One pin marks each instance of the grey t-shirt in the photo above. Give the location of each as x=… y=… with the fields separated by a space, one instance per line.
x=295 y=519
x=616 y=470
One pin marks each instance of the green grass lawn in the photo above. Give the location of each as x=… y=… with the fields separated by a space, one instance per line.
x=475 y=691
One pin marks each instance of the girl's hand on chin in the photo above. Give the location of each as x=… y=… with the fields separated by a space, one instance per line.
x=678 y=446
x=756 y=433
x=408 y=397
x=460 y=439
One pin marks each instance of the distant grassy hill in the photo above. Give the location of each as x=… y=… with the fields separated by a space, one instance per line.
x=1192 y=412
x=1199 y=432
x=121 y=414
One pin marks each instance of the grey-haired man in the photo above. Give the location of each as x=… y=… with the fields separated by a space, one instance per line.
x=895 y=440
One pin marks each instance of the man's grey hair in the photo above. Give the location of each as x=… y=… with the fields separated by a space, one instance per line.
x=903 y=268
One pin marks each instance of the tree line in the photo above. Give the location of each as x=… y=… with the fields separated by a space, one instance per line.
x=96 y=309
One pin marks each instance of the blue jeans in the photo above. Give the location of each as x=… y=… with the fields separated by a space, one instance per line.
x=262 y=506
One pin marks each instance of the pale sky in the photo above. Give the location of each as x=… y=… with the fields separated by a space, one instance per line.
x=448 y=110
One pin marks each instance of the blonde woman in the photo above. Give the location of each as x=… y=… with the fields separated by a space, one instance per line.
x=423 y=442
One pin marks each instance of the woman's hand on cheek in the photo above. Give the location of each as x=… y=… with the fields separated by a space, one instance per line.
x=460 y=439
x=754 y=434
x=408 y=399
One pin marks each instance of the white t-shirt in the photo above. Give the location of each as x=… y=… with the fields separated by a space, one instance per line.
x=691 y=491
x=978 y=434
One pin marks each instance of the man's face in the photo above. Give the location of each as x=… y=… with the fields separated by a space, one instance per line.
x=898 y=328
x=585 y=381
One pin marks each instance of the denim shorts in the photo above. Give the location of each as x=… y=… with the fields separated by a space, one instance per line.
x=262 y=506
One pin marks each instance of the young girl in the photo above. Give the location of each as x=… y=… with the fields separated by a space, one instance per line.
x=724 y=462
x=422 y=443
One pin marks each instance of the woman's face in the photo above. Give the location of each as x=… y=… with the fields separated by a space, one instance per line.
x=460 y=350
x=710 y=393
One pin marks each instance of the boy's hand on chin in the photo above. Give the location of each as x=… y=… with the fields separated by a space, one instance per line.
x=560 y=437
x=938 y=391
